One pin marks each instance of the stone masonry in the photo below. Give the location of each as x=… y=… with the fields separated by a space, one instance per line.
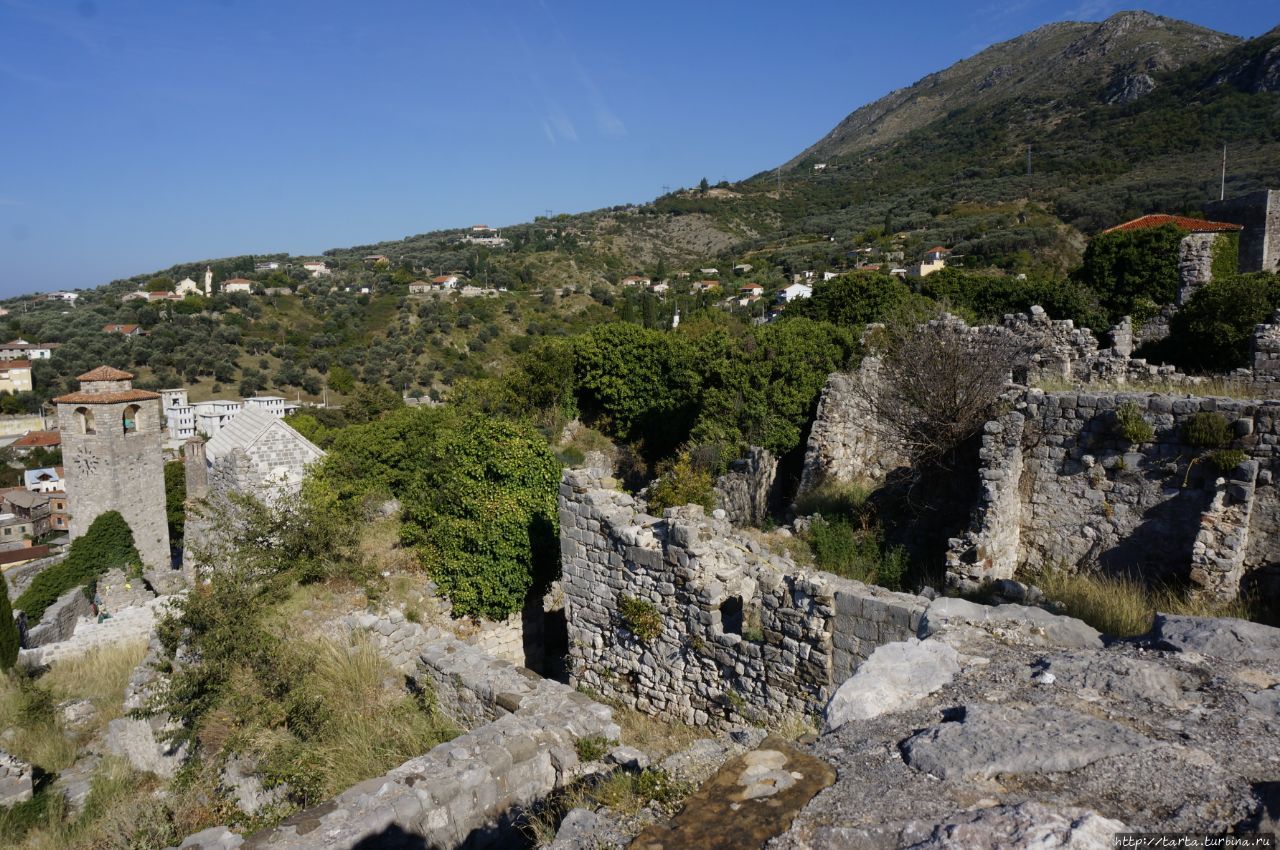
x=1259 y=213
x=463 y=792
x=737 y=634
x=15 y=780
x=111 y=443
x=1061 y=488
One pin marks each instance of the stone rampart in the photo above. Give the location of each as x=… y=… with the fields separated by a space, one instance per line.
x=58 y=623
x=680 y=617
x=20 y=577
x=1062 y=488
x=746 y=492
x=464 y=792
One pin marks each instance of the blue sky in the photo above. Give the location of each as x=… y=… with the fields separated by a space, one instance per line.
x=139 y=133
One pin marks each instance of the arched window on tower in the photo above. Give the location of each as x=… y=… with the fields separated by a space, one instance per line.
x=131 y=419
x=84 y=418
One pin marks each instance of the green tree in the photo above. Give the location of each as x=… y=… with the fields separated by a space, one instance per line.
x=107 y=544
x=1212 y=332
x=8 y=629
x=855 y=300
x=175 y=499
x=1133 y=272
x=160 y=283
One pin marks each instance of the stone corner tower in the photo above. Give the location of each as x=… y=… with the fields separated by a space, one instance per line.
x=111 y=442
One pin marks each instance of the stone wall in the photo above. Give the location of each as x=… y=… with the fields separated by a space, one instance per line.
x=59 y=620
x=15 y=780
x=467 y=791
x=20 y=577
x=1195 y=264
x=739 y=634
x=746 y=492
x=1062 y=489
x=1259 y=213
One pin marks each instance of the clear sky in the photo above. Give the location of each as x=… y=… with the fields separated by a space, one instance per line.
x=139 y=133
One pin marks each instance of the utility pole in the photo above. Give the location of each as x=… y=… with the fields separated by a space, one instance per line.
x=777 y=173
x=1222 y=187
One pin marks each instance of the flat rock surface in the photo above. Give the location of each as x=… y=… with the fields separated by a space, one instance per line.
x=895 y=676
x=1226 y=639
x=749 y=800
x=1043 y=746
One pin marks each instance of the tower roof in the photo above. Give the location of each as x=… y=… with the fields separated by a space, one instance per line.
x=105 y=373
x=106 y=398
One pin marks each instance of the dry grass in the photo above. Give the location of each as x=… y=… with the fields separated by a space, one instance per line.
x=656 y=736
x=1208 y=388
x=29 y=709
x=100 y=677
x=1123 y=607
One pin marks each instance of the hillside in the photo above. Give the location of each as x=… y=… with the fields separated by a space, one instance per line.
x=1123 y=117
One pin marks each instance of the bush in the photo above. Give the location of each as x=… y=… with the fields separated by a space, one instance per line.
x=107 y=544
x=8 y=629
x=857 y=553
x=592 y=748
x=641 y=618
x=1207 y=430
x=1227 y=459
x=1132 y=426
x=681 y=484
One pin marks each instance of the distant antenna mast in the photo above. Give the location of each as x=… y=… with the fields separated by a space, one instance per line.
x=777 y=173
x=1222 y=188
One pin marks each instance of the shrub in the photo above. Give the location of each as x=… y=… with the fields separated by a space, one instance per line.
x=641 y=618
x=106 y=545
x=857 y=553
x=1227 y=459
x=1207 y=430
x=1132 y=426
x=8 y=629
x=681 y=483
x=592 y=748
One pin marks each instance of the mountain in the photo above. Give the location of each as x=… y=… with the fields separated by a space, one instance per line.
x=1054 y=61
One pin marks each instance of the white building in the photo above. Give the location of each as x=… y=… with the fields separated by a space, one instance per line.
x=186 y=287
x=212 y=415
x=317 y=268
x=237 y=284
x=794 y=291
x=445 y=281
x=179 y=415
x=46 y=480
x=20 y=349
x=268 y=266
x=272 y=404
x=69 y=297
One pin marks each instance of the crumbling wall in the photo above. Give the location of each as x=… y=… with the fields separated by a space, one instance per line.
x=680 y=617
x=1063 y=489
x=745 y=493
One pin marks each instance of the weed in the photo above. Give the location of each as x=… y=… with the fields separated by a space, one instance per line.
x=1132 y=426
x=592 y=748
x=641 y=617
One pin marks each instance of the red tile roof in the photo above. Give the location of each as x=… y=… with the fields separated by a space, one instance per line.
x=119 y=329
x=15 y=364
x=106 y=398
x=1191 y=225
x=107 y=373
x=35 y=439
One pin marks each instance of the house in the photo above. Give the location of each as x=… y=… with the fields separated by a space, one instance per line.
x=126 y=330
x=33 y=508
x=828 y=275
x=742 y=268
x=15 y=376
x=273 y=404
x=20 y=349
x=924 y=268
x=796 y=290
x=68 y=297
x=277 y=290
x=140 y=295
x=15 y=532
x=751 y=290
x=48 y=479
x=481 y=228
x=659 y=288
x=819 y=166
x=37 y=440
x=237 y=284
x=186 y=287
x=163 y=296
x=268 y=266
x=936 y=253
x=635 y=280
x=317 y=268
x=705 y=285
x=179 y=414
x=210 y=416
x=445 y=281
x=376 y=260
x=709 y=271
x=419 y=287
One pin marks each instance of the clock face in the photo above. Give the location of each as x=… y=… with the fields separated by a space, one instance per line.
x=86 y=462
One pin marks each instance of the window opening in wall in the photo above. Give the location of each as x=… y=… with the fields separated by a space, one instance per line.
x=731 y=615
x=130 y=419
x=84 y=418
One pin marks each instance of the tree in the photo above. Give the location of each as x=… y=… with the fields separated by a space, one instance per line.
x=160 y=283
x=8 y=629
x=1213 y=331
x=107 y=544
x=1133 y=272
x=703 y=185
x=175 y=499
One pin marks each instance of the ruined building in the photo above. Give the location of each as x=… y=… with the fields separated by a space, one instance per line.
x=111 y=442
x=1259 y=214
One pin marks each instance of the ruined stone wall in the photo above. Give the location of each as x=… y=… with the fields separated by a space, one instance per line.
x=1195 y=264
x=1063 y=489
x=1259 y=213
x=466 y=791
x=735 y=633
x=745 y=493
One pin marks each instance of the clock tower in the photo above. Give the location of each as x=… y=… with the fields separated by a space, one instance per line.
x=111 y=453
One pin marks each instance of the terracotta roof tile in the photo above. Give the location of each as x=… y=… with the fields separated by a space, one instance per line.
x=106 y=373
x=1193 y=225
x=106 y=398
x=33 y=439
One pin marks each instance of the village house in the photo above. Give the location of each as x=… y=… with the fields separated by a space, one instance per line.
x=125 y=330
x=33 y=440
x=48 y=479
x=138 y=295
x=163 y=296
x=186 y=287
x=377 y=259
x=267 y=266
x=419 y=287
x=317 y=268
x=705 y=285
x=751 y=290
x=659 y=288
x=35 y=509
x=20 y=349
x=15 y=376
x=829 y=275
x=445 y=281
x=237 y=284
x=793 y=291
x=15 y=532
x=68 y=297
x=742 y=268
x=635 y=280
x=709 y=272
